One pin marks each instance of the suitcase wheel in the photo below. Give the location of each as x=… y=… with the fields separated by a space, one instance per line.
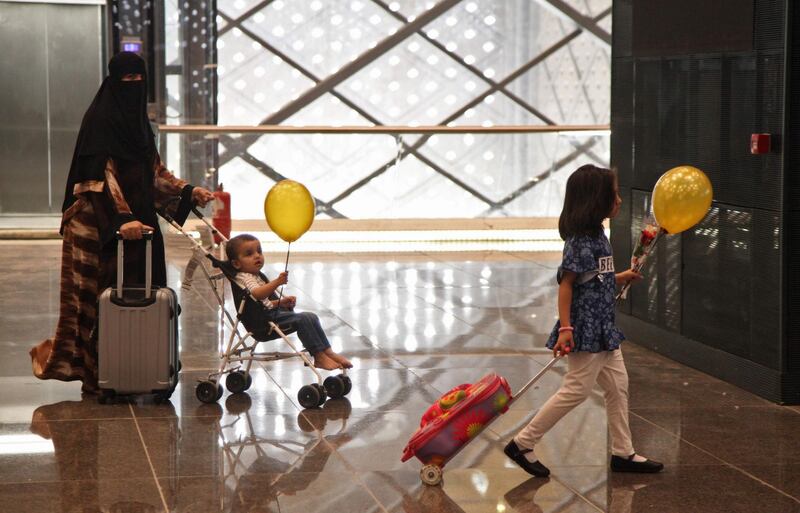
x=310 y=396
x=236 y=382
x=208 y=391
x=335 y=387
x=106 y=396
x=162 y=398
x=431 y=475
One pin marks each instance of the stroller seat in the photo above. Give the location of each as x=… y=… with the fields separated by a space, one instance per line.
x=239 y=355
x=254 y=316
x=240 y=351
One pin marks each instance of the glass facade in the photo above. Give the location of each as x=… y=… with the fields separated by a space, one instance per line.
x=363 y=63
x=331 y=63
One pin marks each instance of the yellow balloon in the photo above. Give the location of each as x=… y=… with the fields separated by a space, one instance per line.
x=681 y=198
x=289 y=209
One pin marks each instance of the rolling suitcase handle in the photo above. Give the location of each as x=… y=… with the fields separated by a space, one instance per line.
x=148 y=237
x=537 y=376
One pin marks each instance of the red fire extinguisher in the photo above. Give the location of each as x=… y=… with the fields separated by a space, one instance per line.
x=221 y=213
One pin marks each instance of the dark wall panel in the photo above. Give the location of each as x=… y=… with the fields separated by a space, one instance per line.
x=725 y=295
x=680 y=27
x=731 y=285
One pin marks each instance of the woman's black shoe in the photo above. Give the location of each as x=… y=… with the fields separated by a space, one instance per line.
x=536 y=468
x=620 y=464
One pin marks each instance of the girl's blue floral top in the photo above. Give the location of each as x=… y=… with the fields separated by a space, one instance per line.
x=592 y=311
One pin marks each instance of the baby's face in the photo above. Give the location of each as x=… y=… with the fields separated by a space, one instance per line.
x=250 y=258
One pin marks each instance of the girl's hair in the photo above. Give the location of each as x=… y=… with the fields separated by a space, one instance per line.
x=591 y=193
x=233 y=245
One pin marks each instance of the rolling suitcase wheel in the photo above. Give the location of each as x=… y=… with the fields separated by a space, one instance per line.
x=431 y=475
x=106 y=396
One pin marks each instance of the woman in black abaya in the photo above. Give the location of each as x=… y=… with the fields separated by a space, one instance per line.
x=116 y=183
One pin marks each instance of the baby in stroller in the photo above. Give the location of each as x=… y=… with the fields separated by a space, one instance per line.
x=245 y=256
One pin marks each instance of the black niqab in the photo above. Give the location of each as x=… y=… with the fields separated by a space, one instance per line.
x=115 y=125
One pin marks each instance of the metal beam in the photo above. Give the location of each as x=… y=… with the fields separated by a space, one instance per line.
x=585 y=22
x=353 y=67
x=272 y=174
x=412 y=150
x=380 y=129
x=231 y=24
x=349 y=69
x=458 y=59
x=475 y=101
x=579 y=150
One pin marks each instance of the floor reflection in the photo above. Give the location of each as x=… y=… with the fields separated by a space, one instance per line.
x=415 y=327
x=99 y=464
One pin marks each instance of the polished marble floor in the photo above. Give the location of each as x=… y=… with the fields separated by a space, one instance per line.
x=414 y=326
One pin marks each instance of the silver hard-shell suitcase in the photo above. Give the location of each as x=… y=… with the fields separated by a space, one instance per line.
x=138 y=336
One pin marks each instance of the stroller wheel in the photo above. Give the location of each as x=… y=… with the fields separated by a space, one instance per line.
x=208 y=392
x=334 y=386
x=219 y=391
x=238 y=403
x=431 y=475
x=322 y=395
x=348 y=384
x=248 y=381
x=236 y=382
x=309 y=396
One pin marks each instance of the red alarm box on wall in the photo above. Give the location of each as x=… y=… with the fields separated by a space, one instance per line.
x=760 y=143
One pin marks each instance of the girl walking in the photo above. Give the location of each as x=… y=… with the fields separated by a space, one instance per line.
x=587 y=286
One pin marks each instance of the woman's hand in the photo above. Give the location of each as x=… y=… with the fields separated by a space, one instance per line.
x=288 y=302
x=133 y=230
x=202 y=196
x=628 y=276
x=564 y=345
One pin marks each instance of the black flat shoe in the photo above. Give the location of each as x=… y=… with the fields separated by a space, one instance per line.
x=620 y=464
x=536 y=468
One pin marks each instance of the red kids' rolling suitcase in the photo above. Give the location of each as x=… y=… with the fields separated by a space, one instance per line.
x=458 y=417
x=137 y=336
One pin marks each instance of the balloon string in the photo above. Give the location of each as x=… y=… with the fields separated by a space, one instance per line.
x=285 y=269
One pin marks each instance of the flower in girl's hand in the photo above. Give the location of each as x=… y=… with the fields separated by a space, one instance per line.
x=647 y=236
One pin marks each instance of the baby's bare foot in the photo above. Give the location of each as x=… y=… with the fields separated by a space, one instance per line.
x=344 y=362
x=323 y=361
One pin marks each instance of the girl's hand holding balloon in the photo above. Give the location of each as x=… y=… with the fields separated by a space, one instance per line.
x=628 y=276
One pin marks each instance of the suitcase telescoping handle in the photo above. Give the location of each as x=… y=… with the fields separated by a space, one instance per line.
x=147 y=235
x=536 y=377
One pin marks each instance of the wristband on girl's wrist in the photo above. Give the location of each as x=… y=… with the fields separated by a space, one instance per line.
x=566 y=328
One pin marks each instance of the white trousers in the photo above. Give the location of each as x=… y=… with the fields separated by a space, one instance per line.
x=584 y=370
